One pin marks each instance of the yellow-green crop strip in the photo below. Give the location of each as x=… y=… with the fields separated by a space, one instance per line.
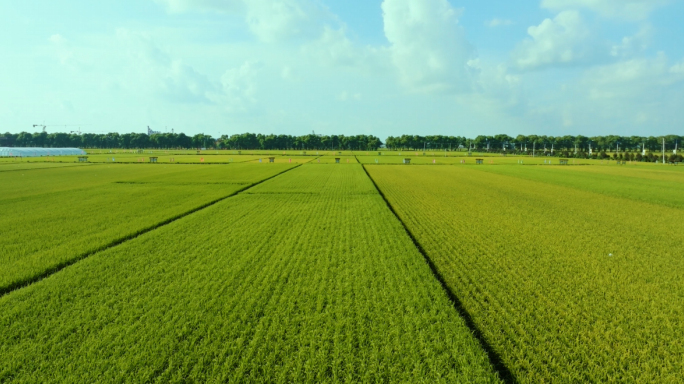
x=89 y=209
x=657 y=185
x=308 y=277
x=567 y=285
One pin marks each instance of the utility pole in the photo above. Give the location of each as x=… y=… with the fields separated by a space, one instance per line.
x=663 y=150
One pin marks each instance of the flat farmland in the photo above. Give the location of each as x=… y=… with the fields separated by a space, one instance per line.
x=311 y=271
x=567 y=282
x=49 y=222
x=307 y=277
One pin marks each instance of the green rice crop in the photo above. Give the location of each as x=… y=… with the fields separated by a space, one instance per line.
x=658 y=185
x=566 y=284
x=86 y=210
x=308 y=279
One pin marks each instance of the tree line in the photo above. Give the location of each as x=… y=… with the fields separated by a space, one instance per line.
x=578 y=146
x=528 y=143
x=182 y=141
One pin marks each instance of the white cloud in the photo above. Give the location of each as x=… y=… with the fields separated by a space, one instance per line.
x=678 y=69
x=288 y=73
x=273 y=21
x=624 y=9
x=349 y=96
x=428 y=46
x=633 y=45
x=240 y=85
x=269 y=20
x=627 y=79
x=69 y=56
x=629 y=96
x=562 y=41
x=162 y=75
x=334 y=49
x=180 y=6
x=498 y=23
x=62 y=49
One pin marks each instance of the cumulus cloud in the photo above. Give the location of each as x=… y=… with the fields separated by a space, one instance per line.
x=428 y=46
x=678 y=69
x=68 y=54
x=629 y=94
x=240 y=85
x=334 y=49
x=628 y=78
x=633 y=45
x=162 y=75
x=180 y=6
x=269 y=20
x=564 y=40
x=624 y=9
x=273 y=21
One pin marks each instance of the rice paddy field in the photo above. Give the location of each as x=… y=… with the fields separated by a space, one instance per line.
x=231 y=269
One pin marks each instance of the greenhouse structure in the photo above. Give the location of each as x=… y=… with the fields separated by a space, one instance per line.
x=38 y=152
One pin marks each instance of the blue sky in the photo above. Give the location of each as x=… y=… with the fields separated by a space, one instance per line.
x=389 y=67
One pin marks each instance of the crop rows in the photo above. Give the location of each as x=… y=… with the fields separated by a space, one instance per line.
x=648 y=184
x=561 y=282
x=75 y=212
x=308 y=277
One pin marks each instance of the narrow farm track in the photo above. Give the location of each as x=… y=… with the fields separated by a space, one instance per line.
x=11 y=285
x=504 y=373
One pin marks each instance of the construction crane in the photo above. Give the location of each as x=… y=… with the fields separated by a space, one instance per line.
x=44 y=126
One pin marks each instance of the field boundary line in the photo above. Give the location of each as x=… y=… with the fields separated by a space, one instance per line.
x=57 y=268
x=503 y=372
x=35 y=169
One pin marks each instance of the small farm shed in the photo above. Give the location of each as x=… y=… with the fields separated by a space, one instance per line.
x=153 y=159
x=407 y=161
x=563 y=161
x=83 y=159
x=271 y=159
x=479 y=161
x=337 y=160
